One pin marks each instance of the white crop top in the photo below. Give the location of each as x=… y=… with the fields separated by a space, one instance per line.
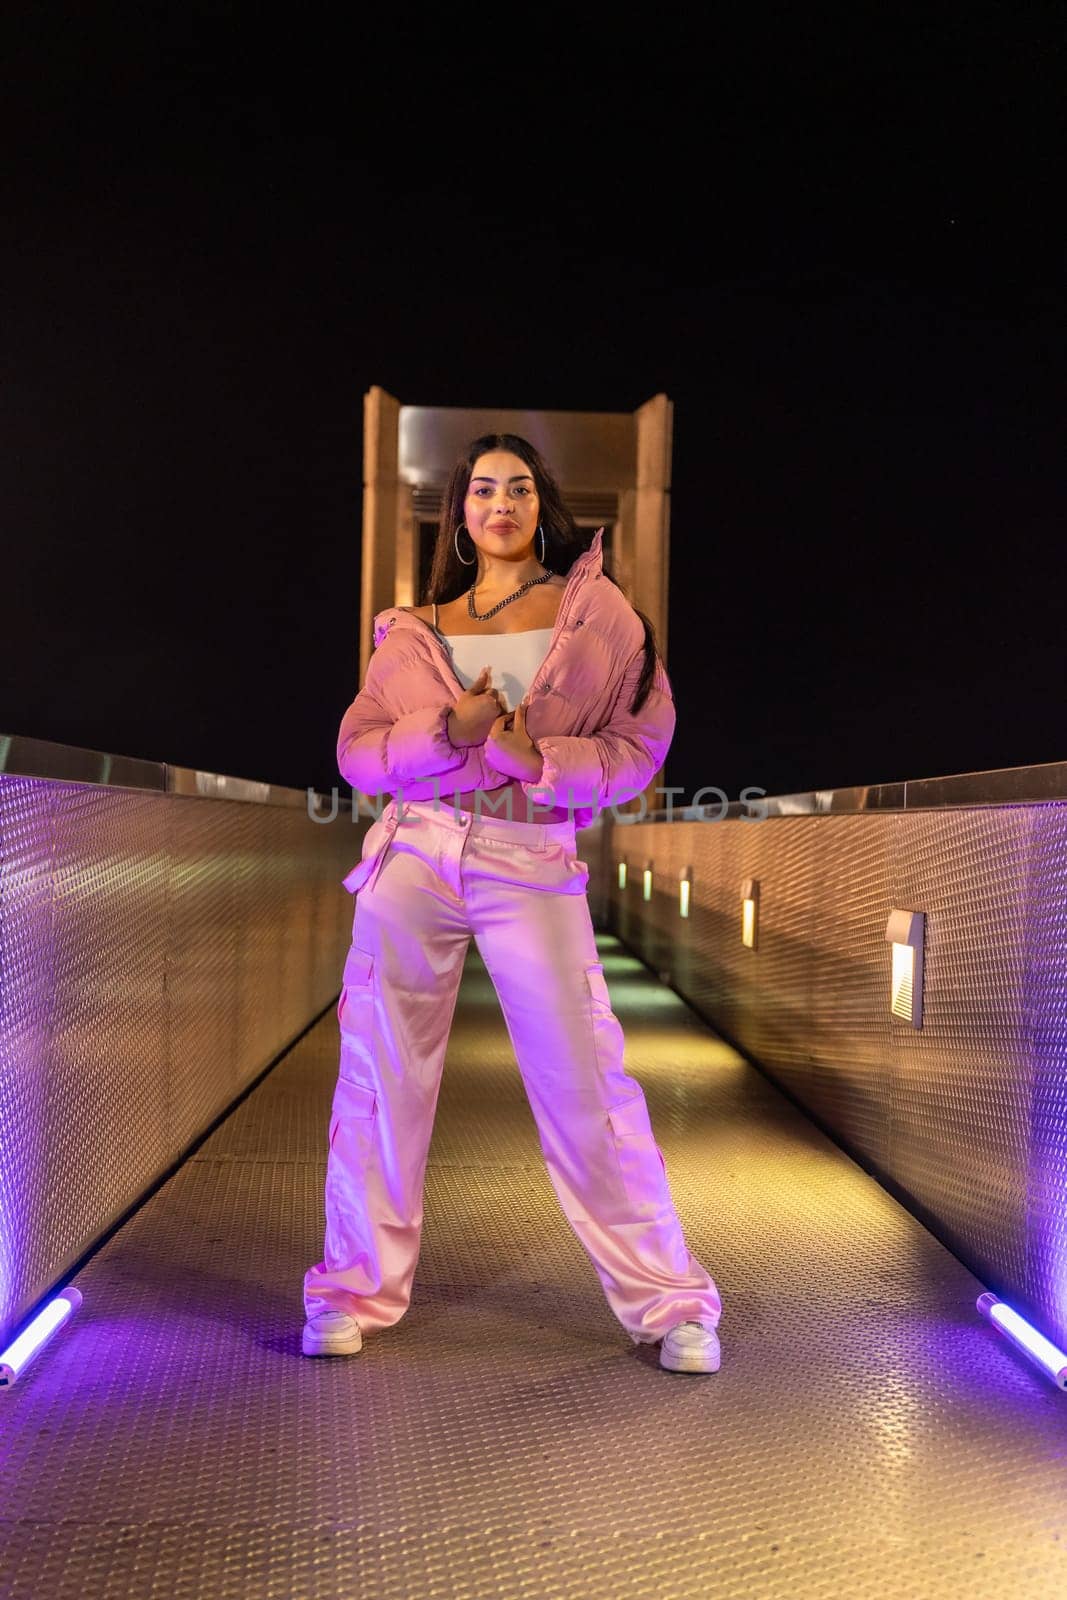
x=513 y=657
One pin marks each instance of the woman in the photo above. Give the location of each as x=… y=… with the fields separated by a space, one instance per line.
x=480 y=840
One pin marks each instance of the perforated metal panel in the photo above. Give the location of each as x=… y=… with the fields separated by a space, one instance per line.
x=156 y=952
x=105 y=1132
x=967 y=1117
x=961 y=1087
x=28 y=1229
x=1044 y=980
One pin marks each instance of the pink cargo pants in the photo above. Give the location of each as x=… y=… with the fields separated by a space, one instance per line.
x=430 y=878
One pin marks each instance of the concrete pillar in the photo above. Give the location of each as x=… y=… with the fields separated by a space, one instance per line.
x=652 y=513
x=643 y=536
x=381 y=508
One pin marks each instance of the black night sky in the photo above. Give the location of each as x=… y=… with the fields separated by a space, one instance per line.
x=835 y=240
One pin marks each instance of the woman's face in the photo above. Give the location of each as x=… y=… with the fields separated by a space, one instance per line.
x=501 y=507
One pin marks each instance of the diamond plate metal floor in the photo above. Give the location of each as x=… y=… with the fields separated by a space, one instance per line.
x=868 y=1434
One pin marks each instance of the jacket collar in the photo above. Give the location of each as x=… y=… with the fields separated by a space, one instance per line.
x=589 y=564
x=593 y=558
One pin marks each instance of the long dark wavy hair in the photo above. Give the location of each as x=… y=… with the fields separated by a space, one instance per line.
x=564 y=542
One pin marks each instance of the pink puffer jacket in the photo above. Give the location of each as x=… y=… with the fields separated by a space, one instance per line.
x=394 y=736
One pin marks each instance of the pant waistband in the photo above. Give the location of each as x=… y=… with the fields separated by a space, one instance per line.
x=535 y=835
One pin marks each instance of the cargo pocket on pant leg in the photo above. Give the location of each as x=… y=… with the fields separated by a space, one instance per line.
x=598 y=988
x=608 y=1039
x=355 y=987
x=350 y=1187
x=355 y=1102
x=353 y=1115
x=641 y=1163
x=355 y=1014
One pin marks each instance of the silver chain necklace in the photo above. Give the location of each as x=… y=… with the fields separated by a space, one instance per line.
x=530 y=584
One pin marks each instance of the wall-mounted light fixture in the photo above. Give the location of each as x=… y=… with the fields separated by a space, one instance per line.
x=904 y=931
x=749 y=912
x=646 y=888
x=622 y=874
x=685 y=884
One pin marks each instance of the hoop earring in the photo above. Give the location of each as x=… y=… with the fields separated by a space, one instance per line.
x=541 y=531
x=455 y=540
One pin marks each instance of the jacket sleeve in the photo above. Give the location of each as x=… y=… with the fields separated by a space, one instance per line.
x=620 y=759
x=377 y=753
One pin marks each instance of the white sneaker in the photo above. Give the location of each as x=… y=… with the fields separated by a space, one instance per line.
x=332 y=1333
x=690 y=1347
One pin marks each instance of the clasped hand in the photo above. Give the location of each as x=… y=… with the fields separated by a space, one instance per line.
x=478 y=717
